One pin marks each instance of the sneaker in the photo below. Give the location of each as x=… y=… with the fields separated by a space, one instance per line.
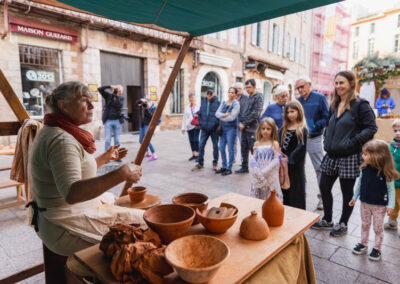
x=197 y=167
x=220 y=171
x=320 y=205
x=153 y=158
x=339 y=229
x=375 y=255
x=391 y=224
x=147 y=155
x=226 y=172
x=192 y=158
x=242 y=171
x=360 y=249
x=321 y=224
x=215 y=167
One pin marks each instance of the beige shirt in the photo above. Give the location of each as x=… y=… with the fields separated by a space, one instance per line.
x=58 y=160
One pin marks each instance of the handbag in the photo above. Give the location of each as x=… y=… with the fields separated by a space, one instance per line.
x=284 y=173
x=195 y=119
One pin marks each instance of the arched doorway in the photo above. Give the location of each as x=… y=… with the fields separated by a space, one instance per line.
x=267 y=93
x=211 y=80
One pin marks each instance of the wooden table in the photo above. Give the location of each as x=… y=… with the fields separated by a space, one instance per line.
x=246 y=256
x=7 y=151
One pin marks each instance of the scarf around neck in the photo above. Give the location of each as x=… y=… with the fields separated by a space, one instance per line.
x=84 y=137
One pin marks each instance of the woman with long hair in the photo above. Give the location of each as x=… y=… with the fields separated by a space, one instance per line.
x=293 y=141
x=351 y=124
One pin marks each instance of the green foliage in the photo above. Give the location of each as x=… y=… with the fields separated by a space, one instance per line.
x=374 y=68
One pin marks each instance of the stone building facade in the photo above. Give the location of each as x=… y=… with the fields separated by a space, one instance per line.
x=47 y=43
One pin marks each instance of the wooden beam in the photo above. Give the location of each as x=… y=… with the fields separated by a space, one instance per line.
x=9 y=128
x=23 y=274
x=160 y=107
x=12 y=99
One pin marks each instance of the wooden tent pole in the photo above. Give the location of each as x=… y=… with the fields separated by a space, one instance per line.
x=160 y=107
x=12 y=99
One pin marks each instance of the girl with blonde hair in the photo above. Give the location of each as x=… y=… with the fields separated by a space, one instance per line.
x=293 y=141
x=265 y=161
x=375 y=188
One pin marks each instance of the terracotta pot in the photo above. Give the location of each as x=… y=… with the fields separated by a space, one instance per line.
x=197 y=258
x=194 y=200
x=137 y=193
x=273 y=210
x=254 y=228
x=169 y=221
x=217 y=225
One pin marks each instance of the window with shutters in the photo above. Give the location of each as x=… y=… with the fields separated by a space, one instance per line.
x=176 y=97
x=234 y=36
x=286 y=52
x=357 y=31
x=397 y=43
x=372 y=28
x=355 y=50
x=40 y=74
x=256 y=32
x=275 y=36
x=371 y=46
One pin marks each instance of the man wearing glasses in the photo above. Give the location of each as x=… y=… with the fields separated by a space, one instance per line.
x=316 y=111
x=208 y=123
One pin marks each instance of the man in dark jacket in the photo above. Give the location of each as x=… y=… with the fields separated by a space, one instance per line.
x=242 y=98
x=111 y=112
x=248 y=123
x=208 y=124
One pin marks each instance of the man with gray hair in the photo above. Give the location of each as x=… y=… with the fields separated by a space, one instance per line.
x=242 y=99
x=316 y=111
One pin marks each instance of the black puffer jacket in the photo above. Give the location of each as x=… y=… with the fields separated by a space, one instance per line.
x=347 y=134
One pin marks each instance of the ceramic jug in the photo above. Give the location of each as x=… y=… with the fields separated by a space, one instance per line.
x=254 y=228
x=273 y=210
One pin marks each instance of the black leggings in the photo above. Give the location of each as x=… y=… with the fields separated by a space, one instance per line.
x=346 y=185
x=194 y=139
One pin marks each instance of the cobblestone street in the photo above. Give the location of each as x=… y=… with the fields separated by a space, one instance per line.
x=171 y=174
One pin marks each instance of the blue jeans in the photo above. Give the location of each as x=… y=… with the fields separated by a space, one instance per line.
x=205 y=134
x=142 y=132
x=228 y=138
x=111 y=128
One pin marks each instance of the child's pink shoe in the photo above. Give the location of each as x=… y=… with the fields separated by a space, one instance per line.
x=153 y=158
x=147 y=155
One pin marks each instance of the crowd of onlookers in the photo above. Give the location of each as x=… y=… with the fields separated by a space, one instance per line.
x=336 y=135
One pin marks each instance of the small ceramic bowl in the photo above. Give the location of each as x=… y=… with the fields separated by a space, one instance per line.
x=197 y=258
x=169 y=221
x=137 y=193
x=192 y=199
x=217 y=225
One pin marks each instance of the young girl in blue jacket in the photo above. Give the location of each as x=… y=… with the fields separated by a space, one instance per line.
x=375 y=188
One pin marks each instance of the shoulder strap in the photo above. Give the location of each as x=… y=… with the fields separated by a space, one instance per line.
x=355 y=110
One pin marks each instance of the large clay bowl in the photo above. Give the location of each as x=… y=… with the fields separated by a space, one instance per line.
x=194 y=200
x=169 y=221
x=197 y=258
x=137 y=193
x=217 y=225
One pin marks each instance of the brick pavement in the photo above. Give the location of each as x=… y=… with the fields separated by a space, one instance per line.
x=334 y=262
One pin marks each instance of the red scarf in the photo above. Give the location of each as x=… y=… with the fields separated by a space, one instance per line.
x=64 y=122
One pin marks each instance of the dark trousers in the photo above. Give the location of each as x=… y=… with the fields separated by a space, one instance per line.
x=194 y=139
x=295 y=196
x=246 y=146
x=205 y=134
x=346 y=185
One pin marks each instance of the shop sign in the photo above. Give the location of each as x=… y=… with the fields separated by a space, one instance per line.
x=42 y=30
x=41 y=76
x=208 y=84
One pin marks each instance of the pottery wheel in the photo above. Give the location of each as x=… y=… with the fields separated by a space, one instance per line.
x=148 y=202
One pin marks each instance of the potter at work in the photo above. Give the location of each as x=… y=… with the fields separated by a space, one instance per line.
x=67 y=194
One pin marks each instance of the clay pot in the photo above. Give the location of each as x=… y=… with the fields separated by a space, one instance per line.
x=137 y=193
x=217 y=225
x=254 y=228
x=194 y=200
x=273 y=210
x=169 y=221
x=197 y=258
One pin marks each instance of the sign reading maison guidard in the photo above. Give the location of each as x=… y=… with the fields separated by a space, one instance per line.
x=42 y=30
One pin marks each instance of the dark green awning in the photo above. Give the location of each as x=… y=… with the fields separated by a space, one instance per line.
x=197 y=17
